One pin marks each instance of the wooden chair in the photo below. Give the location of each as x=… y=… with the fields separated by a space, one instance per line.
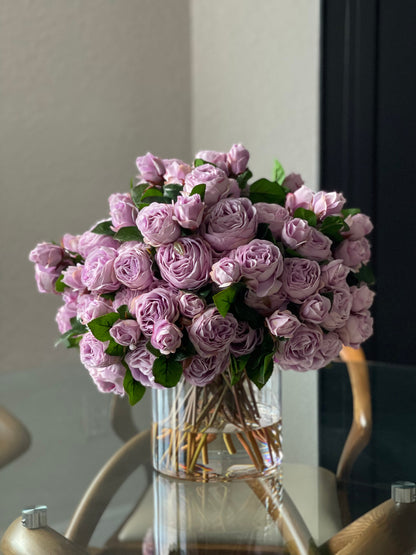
x=14 y=437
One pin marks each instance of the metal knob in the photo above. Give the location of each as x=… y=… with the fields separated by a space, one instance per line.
x=403 y=492
x=35 y=517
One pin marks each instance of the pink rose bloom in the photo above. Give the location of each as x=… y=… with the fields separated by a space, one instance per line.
x=175 y=171
x=124 y=296
x=46 y=278
x=93 y=308
x=334 y=274
x=89 y=241
x=301 y=198
x=70 y=242
x=354 y=253
x=295 y=232
x=157 y=225
x=151 y=168
x=300 y=279
x=237 y=159
x=274 y=215
x=230 y=223
x=202 y=371
x=315 y=309
x=362 y=298
x=72 y=277
x=282 y=323
x=109 y=379
x=327 y=204
x=268 y=304
x=216 y=180
x=293 y=182
x=123 y=212
x=63 y=317
x=211 y=333
x=190 y=305
x=340 y=310
x=98 y=272
x=125 y=332
x=214 y=157
x=166 y=337
x=261 y=263
x=140 y=361
x=186 y=263
x=246 y=339
x=133 y=266
x=317 y=246
x=360 y=225
x=357 y=329
x=47 y=255
x=92 y=352
x=330 y=349
x=189 y=211
x=298 y=352
x=225 y=272
x=149 y=308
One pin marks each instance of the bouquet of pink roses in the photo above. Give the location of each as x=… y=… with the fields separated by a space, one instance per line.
x=197 y=272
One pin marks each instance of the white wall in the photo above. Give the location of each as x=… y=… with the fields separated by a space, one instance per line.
x=255 y=79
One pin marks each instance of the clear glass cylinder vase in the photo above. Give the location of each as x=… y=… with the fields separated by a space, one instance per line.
x=219 y=431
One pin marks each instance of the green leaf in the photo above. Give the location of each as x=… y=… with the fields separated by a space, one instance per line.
x=104 y=228
x=186 y=349
x=108 y=296
x=167 y=371
x=292 y=253
x=131 y=184
x=204 y=292
x=150 y=199
x=123 y=310
x=199 y=190
x=172 y=190
x=264 y=190
x=350 y=212
x=332 y=227
x=329 y=295
x=137 y=192
x=278 y=174
x=243 y=178
x=72 y=337
x=60 y=285
x=151 y=192
x=237 y=366
x=307 y=215
x=100 y=327
x=114 y=349
x=366 y=274
x=130 y=233
x=135 y=390
x=153 y=350
x=225 y=298
x=263 y=232
x=260 y=364
x=200 y=162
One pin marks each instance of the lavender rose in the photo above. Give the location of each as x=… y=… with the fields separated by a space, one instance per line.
x=357 y=329
x=63 y=317
x=237 y=159
x=91 y=307
x=274 y=215
x=359 y=224
x=123 y=212
x=225 y=272
x=261 y=263
x=340 y=310
x=89 y=241
x=317 y=246
x=186 y=263
x=72 y=277
x=315 y=309
x=190 y=305
x=109 y=379
x=176 y=171
x=219 y=159
x=149 y=308
x=98 y=272
x=92 y=352
x=326 y=204
x=46 y=278
x=157 y=225
x=293 y=182
x=298 y=352
x=124 y=296
x=166 y=337
x=125 y=332
x=354 y=253
x=216 y=180
x=230 y=223
x=268 y=304
x=188 y=211
x=295 y=232
x=362 y=298
x=47 y=255
x=300 y=278
x=330 y=348
x=202 y=371
x=212 y=333
x=334 y=274
x=70 y=242
x=282 y=323
x=133 y=266
x=246 y=339
x=151 y=168
x=140 y=361
x=300 y=198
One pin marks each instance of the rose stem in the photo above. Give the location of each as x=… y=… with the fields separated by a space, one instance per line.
x=253 y=399
x=255 y=448
x=266 y=431
x=247 y=448
x=229 y=444
x=196 y=452
x=205 y=454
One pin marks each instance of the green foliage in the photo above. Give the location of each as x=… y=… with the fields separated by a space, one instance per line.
x=137 y=192
x=200 y=162
x=100 y=327
x=307 y=215
x=135 y=390
x=130 y=233
x=123 y=310
x=366 y=274
x=104 y=228
x=260 y=364
x=332 y=227
x=278 y=174
x=263 y=232
x=167 y=371
x=72 y=337
x=264 y=190
x=199 y=190
x=60 y=285
x=225 y=298
x=242 y=178
x=114 y=349
x=350 y=212
x=172 y=190
x=237 y=366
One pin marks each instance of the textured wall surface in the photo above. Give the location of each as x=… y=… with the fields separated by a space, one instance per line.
x=255 y=79
x=85 y=88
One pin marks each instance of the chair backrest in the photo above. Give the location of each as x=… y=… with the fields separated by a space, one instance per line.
x=14 y=437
